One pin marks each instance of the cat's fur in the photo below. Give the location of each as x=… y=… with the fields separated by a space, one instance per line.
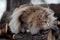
x=31 y=17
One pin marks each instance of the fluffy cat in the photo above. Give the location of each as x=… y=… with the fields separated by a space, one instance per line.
x=31 y=18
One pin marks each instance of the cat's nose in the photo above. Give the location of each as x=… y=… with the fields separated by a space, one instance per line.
x=46 y=26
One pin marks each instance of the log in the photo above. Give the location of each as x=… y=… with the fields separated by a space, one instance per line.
x=50 y=36
x=57 y=22
x=3 y=28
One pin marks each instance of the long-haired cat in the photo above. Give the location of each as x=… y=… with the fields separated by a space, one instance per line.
x=31 y=18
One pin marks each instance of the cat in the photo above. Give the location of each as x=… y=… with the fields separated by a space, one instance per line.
x=31 y=18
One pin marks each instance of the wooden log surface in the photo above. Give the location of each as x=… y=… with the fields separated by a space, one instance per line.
x=50 y=36
x=3 y=28
x=26 y=36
